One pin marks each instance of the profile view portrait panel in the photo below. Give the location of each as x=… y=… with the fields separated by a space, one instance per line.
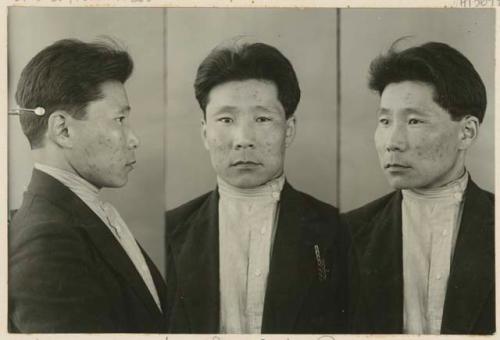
x=80 y=260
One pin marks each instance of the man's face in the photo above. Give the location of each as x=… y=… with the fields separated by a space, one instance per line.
x=417 y=142
x=246 y=132
x=103 y=143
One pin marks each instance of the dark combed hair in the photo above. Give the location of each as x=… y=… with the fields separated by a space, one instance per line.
x=248 y=61
x=67 y=76
x=458 y=88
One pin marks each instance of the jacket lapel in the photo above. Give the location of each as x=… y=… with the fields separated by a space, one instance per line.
x=293 y=263
x=157 y=279
x=197 y=266
x=112 y=252
x=378 y=248
x=118 y=259
x=472 y=271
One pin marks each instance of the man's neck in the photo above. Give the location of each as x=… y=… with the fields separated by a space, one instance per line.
x=52 y=158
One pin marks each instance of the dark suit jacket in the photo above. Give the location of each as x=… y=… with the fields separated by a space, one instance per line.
x=377 y=267
x=67 y=272
x=296 y=301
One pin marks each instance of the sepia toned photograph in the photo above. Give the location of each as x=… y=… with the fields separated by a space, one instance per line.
x=251 y=171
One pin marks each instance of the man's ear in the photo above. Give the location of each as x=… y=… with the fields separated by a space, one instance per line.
x=469 y=131
x=58 y=129
x=291 y=123
x=203 y=130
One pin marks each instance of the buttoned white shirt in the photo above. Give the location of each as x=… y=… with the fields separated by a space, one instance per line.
x=431 y=220
x=247 y=220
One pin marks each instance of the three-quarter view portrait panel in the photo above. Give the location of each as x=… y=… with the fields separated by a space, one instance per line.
x=417 y=169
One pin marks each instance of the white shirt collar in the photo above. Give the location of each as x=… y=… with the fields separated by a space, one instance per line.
x=270 y=189
x=454 y=189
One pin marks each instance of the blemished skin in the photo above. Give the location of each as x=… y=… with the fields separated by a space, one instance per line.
x=246 y=132
x=102 y=149
x=418 y=144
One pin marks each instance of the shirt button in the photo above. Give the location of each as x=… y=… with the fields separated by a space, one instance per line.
x=438 y=277
x=257 y=272
x=458 y=196
x=445 y=232
x=263 y=231
x=275 y=195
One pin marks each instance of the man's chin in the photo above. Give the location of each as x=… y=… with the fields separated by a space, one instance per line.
x=245 y=182
x=117 y=183
x=399 y=183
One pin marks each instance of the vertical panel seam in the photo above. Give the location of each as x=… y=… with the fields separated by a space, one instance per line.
x=339 y=102
x=164 y=102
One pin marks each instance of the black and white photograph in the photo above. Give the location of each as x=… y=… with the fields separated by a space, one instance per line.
x=250 y=171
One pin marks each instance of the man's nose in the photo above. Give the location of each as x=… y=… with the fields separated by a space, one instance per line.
x=396 y=139
x=133 y=140
x=244 y=136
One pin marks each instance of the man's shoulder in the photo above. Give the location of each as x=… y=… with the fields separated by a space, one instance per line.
x=313 y=204
x=480 y=203
x=41 y=219
x=487 y=195
x=174 y=216
x=490 y=197
x=369 y=210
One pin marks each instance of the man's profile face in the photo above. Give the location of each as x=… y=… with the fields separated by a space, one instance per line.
x=246 y=132
x=418 y=143
x=104 y=145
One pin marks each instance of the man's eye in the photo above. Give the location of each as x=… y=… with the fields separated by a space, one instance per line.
x=263 y=119
x=383 y=121
x=225 y=120
x=120 y=119
x=414 y=121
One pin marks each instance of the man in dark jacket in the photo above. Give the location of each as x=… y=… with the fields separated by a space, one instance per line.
x=254 y=255
x=423 y=256
x=74 y=266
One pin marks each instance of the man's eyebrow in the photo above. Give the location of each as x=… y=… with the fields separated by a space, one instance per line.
x=416 y=110
x=408 y=110
x=125 y=109
x=268 y=109
x=382 y=111
x=226 y=109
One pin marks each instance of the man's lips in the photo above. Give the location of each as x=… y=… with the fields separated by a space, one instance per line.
x=131 y=163
x=245 y=164
x=396 y=166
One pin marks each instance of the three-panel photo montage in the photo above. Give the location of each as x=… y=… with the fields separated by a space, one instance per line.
x=251 y=170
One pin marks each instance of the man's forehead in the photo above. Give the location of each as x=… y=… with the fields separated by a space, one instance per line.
x=244 y=89
x=408 y=97
x=408 y=91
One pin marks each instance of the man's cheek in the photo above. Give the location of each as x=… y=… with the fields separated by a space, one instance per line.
x=221 y=149
x=433 y=152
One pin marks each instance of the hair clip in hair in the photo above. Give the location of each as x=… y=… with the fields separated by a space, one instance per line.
x=39 y=111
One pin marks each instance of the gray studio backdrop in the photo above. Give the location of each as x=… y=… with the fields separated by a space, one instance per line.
x=332 y=157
